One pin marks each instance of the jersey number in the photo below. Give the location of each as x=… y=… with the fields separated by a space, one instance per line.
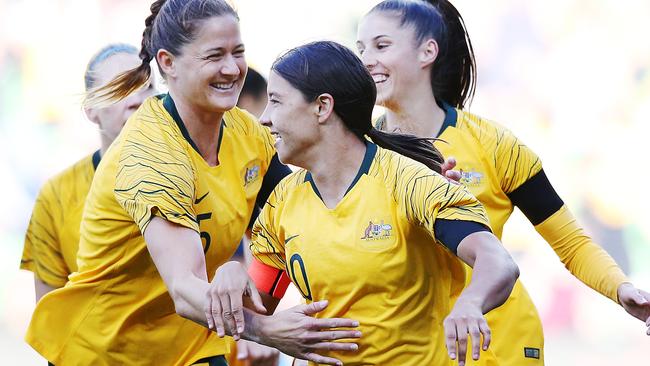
x=303 y=287
x=204 y=235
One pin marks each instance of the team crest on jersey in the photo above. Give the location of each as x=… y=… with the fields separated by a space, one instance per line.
x=251 y=174
x=377 y=231
x=471 y=177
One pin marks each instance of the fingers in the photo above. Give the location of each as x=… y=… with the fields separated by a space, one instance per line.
x=461 y=332
x=453 y=175
x=215 y=313
x=327 y=323
x=332 y=335
x=242 y=350
x=487 y=333
x=208 y=311
x=251 y=291
x=450 y=338
x=227 y=315
x=313 y=308
x=475 y=336
x=321 y=359
x=237 y=309
x=335 y=346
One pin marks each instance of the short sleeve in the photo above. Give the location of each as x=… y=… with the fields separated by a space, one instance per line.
x=425 y=196
x=515 y=162
x=42 y=249
x=155 y=177
x=267 y=242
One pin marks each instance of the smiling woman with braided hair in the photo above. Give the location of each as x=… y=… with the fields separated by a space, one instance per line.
x=169 y=203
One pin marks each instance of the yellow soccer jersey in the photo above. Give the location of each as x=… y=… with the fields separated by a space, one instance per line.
x=493 y=163
x=374 y=256
x=52 y=237
x=116 y=309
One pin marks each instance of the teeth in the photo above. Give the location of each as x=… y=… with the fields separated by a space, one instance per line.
x=223 y=86
x=378 y=78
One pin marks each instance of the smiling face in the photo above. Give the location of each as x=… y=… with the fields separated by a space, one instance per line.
x=390 y=53
x=210 y=71
x=292 y=120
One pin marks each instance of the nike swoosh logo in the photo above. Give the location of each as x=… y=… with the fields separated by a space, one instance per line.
x=198 y=200
x=289 y=238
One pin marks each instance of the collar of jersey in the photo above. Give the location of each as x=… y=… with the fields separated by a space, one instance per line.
x=451 y=115
x=371 y=151
x=170 y=107
x=97 y=157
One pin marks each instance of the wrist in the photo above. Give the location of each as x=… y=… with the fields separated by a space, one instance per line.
x=623 y=287
x=255 y=324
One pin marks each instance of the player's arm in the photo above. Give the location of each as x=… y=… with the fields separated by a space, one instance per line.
x=493 y=277
x=456 y=220
x=585 y=259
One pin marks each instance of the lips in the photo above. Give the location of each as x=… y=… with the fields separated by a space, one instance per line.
x=223 y=86
x=379 y=78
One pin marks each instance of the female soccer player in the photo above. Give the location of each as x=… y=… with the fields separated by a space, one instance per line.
x=52 y=238
x=422 y=61
x=168 y=204
x=369 y=226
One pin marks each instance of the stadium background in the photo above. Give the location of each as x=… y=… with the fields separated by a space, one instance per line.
x=570 y=77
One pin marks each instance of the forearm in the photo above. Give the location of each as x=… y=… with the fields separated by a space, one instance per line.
x=493 y=276
x=586 y=260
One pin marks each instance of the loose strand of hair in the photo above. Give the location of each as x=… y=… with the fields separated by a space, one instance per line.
x=420 y=149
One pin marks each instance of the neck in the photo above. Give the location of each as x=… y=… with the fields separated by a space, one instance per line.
x=203 y=127
x=416 y=114
x=339 y=158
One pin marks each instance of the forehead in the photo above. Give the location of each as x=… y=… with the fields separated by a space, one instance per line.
x=217 y=32
x=380 y=23
x=278 y=85
x=115 y=65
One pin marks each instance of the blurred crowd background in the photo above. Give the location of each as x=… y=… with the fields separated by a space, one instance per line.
x=571 y=78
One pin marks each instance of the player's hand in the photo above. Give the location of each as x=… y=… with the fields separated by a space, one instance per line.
x=465 y=319
x=254 y=354
x=448 y=170
x=297 y=333
x=636 y=302
x=224 y=300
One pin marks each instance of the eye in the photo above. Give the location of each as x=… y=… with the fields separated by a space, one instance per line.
x=274 y=101
x=239 y=53
x=382 y=45
x=361 y=51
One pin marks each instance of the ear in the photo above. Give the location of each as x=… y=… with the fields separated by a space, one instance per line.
x=165 y=60
x=91 y=114
x=428 y=52
x=324 y=107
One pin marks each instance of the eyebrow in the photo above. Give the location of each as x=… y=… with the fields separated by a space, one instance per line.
x=223 y=48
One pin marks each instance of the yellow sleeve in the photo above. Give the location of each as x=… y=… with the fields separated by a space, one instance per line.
x=252 y=127
x=580 y=255
x=267 y=240
x=515 y=162
x=42 y=250
x=427 y=196
x=155 y=177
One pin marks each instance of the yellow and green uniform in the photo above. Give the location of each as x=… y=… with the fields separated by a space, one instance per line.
x=52 y=237
x=502 y=173
x=116 y=309
x=378 y=256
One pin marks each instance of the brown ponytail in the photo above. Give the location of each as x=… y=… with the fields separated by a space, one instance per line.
x=129 y=81
x=453 y=75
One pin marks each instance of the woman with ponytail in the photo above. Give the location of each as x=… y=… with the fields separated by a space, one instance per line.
x=168 y=204
x=369 y=226
x=421 y=58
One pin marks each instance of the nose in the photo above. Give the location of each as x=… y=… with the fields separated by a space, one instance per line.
x=230 y=67
x=368 y=58
x=265 y=118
